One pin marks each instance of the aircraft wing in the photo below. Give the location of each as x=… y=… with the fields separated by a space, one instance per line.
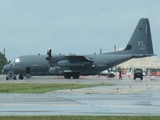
x=75 y=61
x=78 y=58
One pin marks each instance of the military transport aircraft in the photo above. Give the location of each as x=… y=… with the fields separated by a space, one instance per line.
x=140 y=45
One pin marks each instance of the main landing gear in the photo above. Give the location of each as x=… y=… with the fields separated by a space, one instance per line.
x=74 y=75
x=21 y=77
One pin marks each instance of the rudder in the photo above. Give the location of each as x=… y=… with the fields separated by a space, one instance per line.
x=140 y=41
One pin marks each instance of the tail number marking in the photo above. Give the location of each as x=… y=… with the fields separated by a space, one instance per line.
x=141 y=45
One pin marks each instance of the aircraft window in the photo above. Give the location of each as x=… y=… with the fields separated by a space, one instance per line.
x=17 y=60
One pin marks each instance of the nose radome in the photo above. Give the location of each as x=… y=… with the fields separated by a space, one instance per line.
x=7 y=68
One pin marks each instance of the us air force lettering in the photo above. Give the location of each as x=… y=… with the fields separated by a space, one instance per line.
x=72 y=66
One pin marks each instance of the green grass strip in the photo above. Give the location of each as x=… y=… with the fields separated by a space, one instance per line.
x=79 y=117
x=41 y=88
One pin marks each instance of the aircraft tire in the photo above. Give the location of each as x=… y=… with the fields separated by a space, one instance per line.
x=21 y=77
x=67 y=75
x=75 y=75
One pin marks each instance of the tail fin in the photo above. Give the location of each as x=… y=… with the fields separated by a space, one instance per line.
x=140 y=41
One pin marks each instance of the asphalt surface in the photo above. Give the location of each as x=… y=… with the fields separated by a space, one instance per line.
x=126 y=97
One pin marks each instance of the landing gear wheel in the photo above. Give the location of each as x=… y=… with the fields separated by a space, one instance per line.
x=21 y=77
x=75 y=75
x=67 y=75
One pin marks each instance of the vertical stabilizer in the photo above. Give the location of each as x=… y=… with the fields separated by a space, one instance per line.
x=140 y=41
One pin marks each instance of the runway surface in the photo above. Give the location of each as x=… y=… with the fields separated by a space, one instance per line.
x=126 y=97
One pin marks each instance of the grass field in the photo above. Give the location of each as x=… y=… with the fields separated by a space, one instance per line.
x=41 y=88
x=79 y=117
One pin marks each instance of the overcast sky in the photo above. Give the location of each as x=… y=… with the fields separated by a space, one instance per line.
x=73 y=26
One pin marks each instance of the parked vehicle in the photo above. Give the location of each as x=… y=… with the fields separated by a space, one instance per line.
x=138 y=73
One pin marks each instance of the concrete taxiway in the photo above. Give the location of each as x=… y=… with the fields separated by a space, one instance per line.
x=126 y=97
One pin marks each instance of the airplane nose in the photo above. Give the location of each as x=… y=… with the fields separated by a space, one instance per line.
x=7 y=68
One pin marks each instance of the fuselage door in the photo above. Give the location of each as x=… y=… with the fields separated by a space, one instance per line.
x=28 y=70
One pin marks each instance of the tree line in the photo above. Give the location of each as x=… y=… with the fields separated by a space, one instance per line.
x=3 y=61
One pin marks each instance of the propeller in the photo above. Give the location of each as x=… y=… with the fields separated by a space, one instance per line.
x=51 y=60
x=49 y=52
x=49 y=57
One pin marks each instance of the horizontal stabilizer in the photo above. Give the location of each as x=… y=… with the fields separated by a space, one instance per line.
x=145 y=55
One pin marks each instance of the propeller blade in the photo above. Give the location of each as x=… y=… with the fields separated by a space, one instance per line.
x=49 y=52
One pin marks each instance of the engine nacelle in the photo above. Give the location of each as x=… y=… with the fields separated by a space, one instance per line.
x=56 y=70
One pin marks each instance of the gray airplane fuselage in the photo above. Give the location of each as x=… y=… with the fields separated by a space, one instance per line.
x=38 y=65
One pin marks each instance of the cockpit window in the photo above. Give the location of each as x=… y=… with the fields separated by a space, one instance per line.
x=15 y=60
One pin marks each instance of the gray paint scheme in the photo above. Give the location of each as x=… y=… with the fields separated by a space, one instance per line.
x=140 y=45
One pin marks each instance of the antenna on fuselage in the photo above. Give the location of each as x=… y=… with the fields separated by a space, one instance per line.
x=100 y=51
x=115 y=48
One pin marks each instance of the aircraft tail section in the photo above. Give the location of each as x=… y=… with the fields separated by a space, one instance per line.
x=140 y=42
